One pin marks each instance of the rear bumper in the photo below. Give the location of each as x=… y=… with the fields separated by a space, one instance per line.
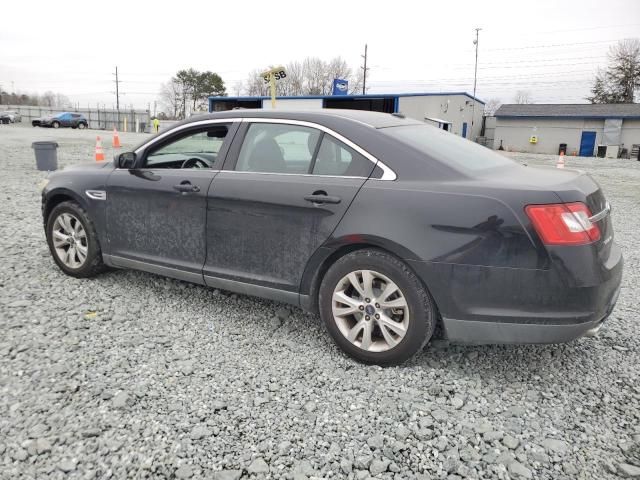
x=480 y=332
x=482 y=305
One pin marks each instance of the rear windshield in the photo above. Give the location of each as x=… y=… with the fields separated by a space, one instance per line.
x=448 y=148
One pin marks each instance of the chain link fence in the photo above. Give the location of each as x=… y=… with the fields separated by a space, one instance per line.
x=98 y=118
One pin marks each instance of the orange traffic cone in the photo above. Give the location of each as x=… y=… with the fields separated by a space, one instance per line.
x=116 y=138
x=99 y=150
x=560 y=160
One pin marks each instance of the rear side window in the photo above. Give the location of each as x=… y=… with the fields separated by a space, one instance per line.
x=337 y=159
x=447 y=147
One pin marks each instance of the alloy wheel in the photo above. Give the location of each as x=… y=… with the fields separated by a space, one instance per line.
x=370 y=310
x=70 y=240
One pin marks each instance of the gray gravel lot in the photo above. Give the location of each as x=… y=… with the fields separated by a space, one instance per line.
x=131 y=375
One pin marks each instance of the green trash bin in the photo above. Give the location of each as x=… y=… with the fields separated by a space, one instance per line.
x=46 y=155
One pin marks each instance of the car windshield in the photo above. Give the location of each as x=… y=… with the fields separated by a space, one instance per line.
x=447 y=147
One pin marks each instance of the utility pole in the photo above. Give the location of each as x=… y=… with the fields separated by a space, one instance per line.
x=117 y=96
x=364 y=69
x=475 y=80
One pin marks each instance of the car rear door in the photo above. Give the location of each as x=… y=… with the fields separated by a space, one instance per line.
x=284 y=188
x=156 y=212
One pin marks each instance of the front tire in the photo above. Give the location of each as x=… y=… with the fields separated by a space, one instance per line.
x=55 y=124
x=73 y=241
x=375 y=308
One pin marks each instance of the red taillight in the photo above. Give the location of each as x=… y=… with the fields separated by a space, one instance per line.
x=563 y=223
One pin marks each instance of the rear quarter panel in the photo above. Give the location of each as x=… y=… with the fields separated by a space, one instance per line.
x=463 y=243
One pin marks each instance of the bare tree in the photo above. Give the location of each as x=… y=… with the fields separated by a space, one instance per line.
x=337 y=67
x=356 y=81
x=312 y=76
x=48 y=99
x=293 y=83
x=255 y=85
x=315 y=76
x=172 y=98
x=522 y=97
x=491 y=106
x=62 y=101
x=237 y=88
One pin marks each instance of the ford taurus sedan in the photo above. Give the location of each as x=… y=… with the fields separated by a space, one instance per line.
x=385 y=226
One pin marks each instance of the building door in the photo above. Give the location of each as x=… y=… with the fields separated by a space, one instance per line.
x=587 y=144
x=464 y=130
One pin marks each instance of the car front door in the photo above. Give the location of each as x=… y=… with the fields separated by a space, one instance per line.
x=282 y=192
x=65 y=120
x=156 y=212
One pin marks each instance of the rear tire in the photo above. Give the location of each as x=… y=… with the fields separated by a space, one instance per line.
x=375 y=308
x=73 y=241
x=82 y=126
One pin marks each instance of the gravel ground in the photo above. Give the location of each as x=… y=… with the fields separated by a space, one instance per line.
x=131 y=375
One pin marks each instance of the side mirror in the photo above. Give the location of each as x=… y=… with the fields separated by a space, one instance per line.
x=126 y=160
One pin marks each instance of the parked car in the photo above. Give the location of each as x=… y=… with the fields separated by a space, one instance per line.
x=10 y=116
x=386 y=226
x=66 y=119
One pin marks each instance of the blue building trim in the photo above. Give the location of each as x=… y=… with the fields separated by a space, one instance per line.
x=395 y=96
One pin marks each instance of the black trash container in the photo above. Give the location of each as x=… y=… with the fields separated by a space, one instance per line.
x=562 y=149
x=46 y=155
x=602 y=151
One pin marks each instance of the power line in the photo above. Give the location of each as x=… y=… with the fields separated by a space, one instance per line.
x=553 y=45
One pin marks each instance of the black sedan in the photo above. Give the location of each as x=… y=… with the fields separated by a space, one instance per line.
x=385 y=226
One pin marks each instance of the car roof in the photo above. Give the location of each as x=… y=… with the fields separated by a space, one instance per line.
x=371 y=119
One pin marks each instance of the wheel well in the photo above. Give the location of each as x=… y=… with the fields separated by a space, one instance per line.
x=341 y=252
x=330 y=260
x=55 y=200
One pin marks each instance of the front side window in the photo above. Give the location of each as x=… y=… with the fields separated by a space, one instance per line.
x=193 y=150
x=277 y=148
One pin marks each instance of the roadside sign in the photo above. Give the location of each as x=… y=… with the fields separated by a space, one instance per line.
x=271 y=76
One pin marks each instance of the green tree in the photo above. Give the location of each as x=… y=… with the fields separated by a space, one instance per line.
x=209 y=84
x=195 y=87
x=619 y=82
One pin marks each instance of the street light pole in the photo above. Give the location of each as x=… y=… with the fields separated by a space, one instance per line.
x=475 y=80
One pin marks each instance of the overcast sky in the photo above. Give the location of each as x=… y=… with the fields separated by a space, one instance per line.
x=550 y=48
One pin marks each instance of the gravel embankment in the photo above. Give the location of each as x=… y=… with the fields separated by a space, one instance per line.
x=131 y=375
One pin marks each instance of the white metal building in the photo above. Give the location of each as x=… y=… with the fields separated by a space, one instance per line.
x=584 y=128
x=449 y=111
